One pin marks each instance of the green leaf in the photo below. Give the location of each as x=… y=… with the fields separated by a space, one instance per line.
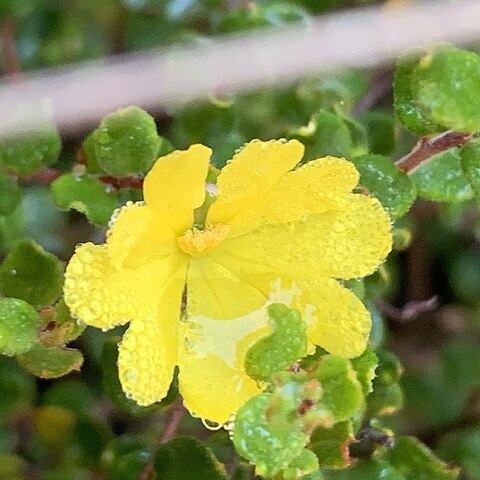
x=409 y=111
x=342 y=392
x=126 y=142
x=380 y=131
x=304 y=464
x=125 y=457
x=383 y=180
x=461 y=448
x=365 y=366
x=331 y=445
x=10 y=194
x=366 y=470
x=287 y=343
x=70 y=328
x=51 y=362
x=446 y=82
x=387 y=396
x=86 y=195
x=325 y=134
x=17 y=389
x=470 y=160
x=31 y=274
x=28 y=154
x=71 y=394
x=441 y=178
x=12 y=466
x=111 y=383
x=19 y=325
x=416 y=462
x=270 y=446
x=185 y=458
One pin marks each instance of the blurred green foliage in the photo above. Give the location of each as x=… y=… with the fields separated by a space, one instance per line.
x=321 y=417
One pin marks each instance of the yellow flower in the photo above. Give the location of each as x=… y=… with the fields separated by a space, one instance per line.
x=271 y=234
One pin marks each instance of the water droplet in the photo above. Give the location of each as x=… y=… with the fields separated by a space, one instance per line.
x=211 y=425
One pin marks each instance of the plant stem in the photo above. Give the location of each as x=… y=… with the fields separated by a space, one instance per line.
x=426 y=147
x=49 y=175
x=172 y=422
x=7 y=34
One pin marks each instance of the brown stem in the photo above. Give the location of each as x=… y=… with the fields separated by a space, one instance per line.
x=380 y=87
x=49 y=175
x=427 y=147
x=174 y=417
x=10 y=58
x=410 y=311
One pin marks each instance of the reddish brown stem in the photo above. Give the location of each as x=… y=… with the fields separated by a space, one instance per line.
x=10 y=58
x=174 y=417
x=49 y=175
x=426 y=147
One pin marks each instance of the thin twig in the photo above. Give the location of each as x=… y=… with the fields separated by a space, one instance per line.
x=174 y=417
x=427 y=147
x=8 y=33
x=381 y=85
x=49 y=175
x=408 y=312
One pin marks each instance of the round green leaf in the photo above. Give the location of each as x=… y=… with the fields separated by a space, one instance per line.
x=270 y=447
x=31 y=274
x=10 y=194
x=126 y=142
x=19 y=325
x=28 y=154
x=383 y=180
x=409 y=111
x=417 y=462
x=124 y=458
x=51 y=362
x=380 y=131
x=342 y=392
x=287 y=343
x=366 y=470
x=446 y=83
x=441 y=178
x=17 y=388
x=86 y=195
x=184 y=458
x=470 y=155
x=331 y=445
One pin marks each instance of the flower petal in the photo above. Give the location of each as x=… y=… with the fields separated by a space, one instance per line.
x=212 y=377
x=250 y=174
x=139 y=233
x=149 y=350
x=316 y=187
x=341 y=244
x=175 y=186
x=102 y=296
x=216 y=293
x=336 y=319
x=338 y=322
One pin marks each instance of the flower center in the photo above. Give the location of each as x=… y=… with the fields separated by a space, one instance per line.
x=195 y=241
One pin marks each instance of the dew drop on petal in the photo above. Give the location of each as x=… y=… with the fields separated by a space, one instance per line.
x=211 y=425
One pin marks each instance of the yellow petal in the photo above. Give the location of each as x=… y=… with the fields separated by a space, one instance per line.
x=250 y=174
x=212 y=377
x=149 y=349
x=102 y=296
x=139 y=233
x=336 y=319
x=340 y=244
x=316 y=187
x=216 y=293
x=175 y=186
